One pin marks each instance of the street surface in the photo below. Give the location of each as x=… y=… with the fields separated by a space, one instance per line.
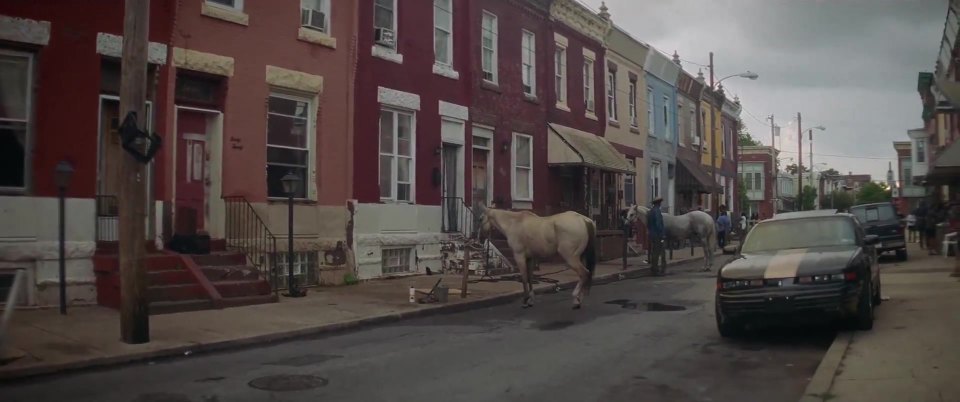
x=650 y=339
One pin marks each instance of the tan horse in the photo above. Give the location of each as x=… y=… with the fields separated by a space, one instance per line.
x=568 y=234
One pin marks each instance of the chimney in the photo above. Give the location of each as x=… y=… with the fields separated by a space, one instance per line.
x=676 y=58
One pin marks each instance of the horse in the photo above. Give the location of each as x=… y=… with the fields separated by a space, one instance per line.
x=570 y=235
x=687 y=226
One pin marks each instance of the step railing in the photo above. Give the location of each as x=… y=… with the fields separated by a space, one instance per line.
x=248 y=234
x=460 y=219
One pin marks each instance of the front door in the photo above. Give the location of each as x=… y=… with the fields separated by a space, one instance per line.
x=481 y=176
x=191 y=172
x=452 y=202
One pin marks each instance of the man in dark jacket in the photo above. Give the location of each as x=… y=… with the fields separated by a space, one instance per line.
x=657 y=234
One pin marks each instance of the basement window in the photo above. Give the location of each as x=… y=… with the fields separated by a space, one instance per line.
x=305 y=268
x=397 y=261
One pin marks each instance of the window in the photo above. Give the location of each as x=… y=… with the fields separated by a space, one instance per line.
x=315 y=14
x=634 y=120
x=907 y=178
x=385 y=23
x=288 y=142
x=723 y=139
x=396 y=261
x=758 y=181
x=528 y=63
x=588 y=99
x=651 y=121
x=666 y=119
x=15 y=105
x=489 y=47
x=396 y=156
x=304 y=267
x=443 y=31
x=560 y=71
x=237 y=4
x=522 y=167
x=654 y=180
x=799 y=234
x=629 y=185
x=693 y=127
x=612 y=95
x=921 y=151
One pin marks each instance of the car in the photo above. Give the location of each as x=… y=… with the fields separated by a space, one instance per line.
x=798 y=266
x=881 y=219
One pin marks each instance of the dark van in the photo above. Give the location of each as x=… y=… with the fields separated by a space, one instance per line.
x=881 y=219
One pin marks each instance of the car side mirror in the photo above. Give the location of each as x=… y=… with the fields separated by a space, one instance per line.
x=871 y=240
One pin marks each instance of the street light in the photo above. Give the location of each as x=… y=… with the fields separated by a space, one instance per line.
x=291 y=185
x=62 y=174
x=750 y=75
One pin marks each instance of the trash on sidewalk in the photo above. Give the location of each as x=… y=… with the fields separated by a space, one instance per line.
x=437 y=294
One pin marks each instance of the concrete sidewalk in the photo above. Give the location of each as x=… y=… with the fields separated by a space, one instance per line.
x=911 y=354
x=42 y=341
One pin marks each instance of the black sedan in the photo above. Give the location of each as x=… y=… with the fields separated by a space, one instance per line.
x=816 y=264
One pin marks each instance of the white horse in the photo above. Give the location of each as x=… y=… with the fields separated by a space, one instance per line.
x=568 y=234
x=693 y=224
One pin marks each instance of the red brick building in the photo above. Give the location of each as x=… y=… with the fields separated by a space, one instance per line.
x=758 y=175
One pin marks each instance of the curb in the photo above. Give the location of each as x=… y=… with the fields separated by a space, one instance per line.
x=325 y=329
x=818 y=390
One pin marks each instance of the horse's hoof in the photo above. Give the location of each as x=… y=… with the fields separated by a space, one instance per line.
x=576 y=306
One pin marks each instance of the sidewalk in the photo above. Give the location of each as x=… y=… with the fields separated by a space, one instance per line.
x=912 y=353
x=42 y=341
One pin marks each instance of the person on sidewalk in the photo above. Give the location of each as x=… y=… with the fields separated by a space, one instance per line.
x=723 y=227
x=657 y=235
x=920 y=214
x=935 y=216
x=911 y=228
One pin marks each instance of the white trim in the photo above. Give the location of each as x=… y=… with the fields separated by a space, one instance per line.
x=238 y=5
x=444 y=70
x=612 y=100
x=487 y=132
x=226 y=13
x=311 y=132
x=457 y=138
x=30 y=121
x=395 y=155
x=560 y=71
x=560 y=40
x=513 y=168
x=112 y=45
x=24 y=30
x=532 y=48
x=589 y=54
x=494 y=63
x=491 y=129
x=400 y=99
x=454 y=110
x=450 y=30
x=387 y=54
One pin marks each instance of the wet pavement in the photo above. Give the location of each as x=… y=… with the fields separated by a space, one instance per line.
x=651 y=339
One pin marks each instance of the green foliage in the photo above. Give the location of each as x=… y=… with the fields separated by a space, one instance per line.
x=841 y=200
x=742 y=192
x=873 y=192
x=350 y=279
x=792 y=169
x=830 y=172
x=809 y=197
x=745 y=138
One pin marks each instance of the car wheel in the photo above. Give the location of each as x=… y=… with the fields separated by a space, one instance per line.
x=878 y=295
x=863 y=320
x=728 y=328
x=902 y=254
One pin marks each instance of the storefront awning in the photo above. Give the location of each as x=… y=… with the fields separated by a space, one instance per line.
x=571 y=147
x=700 y=177
x=946 y=165
x=950 y=90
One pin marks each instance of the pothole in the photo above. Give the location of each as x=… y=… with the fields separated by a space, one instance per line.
x=288 y=382
x=656 y=307
x=554 y=325
x=664 y=307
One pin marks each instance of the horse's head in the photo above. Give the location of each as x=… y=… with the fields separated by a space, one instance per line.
x=637 y=212
x=485 y=224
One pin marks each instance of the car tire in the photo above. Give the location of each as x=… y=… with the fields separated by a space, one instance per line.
x=863 y=320
x=878 y=295
x=728 y=328
x=902 y=254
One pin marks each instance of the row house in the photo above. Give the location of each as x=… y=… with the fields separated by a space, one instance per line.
x=662 y=133
x=692 y=180
x=720 y=116
x=907 y=194
x=729 y=144
x=759 y=178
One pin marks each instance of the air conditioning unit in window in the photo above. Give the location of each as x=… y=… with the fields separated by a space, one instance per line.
x=590 y=105
x=311 y=18
x=383 y=37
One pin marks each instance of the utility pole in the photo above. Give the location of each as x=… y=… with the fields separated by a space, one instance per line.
x=799 y=164
x=776 y=166
x=714 y=197
x=134 y=314
x=816 y=192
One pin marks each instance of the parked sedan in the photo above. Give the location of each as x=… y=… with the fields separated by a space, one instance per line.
x=815 y=264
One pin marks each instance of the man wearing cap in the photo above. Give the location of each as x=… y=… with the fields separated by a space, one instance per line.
x=655 y=229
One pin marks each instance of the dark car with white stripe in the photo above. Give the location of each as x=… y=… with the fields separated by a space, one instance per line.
x=797 y=266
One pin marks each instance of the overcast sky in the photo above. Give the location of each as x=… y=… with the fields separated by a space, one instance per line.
x=848 y=65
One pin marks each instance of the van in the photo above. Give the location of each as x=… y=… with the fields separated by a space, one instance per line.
x=881 y=219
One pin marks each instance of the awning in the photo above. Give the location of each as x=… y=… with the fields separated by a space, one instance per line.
x=946 y=165
x=702 y=178
x=949 y=89
x=571 y=147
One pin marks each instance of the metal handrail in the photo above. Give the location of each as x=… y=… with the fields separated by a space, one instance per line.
x=249 y=234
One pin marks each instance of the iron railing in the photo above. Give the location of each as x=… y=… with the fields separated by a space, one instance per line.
x=248 y=234
x=108 y=218
x=458 y=217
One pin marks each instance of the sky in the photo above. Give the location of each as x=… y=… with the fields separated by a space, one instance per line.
x=848 y=65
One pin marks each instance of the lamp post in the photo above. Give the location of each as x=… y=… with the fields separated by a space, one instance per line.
x=291 y=185
x=62 y=174
x=720 y=98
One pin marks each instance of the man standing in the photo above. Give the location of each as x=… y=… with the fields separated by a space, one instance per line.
x=723 y=227
x=657 y=234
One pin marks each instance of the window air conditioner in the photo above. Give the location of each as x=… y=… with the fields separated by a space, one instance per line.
x=590 y=105
x=383 y=37
x=311 y=18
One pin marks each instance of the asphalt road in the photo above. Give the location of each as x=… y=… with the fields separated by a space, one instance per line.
x=622 y=346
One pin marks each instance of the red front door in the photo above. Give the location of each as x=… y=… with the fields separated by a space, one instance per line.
x=192 y=174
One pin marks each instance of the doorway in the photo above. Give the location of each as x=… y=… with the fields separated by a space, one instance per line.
x=192 y=172
x=450 y=185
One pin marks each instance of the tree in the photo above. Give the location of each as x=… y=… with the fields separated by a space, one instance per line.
x=792 y=169
x=841 y=200
x=809 y=198
x=873 y=192
x=742 y=193
x=745 y=138
x=830 y=172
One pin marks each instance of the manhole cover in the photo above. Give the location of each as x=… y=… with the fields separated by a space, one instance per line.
x=288 y=382
x=664 y=307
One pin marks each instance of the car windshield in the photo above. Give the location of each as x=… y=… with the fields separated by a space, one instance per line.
x=874 y=213
x=800 y=233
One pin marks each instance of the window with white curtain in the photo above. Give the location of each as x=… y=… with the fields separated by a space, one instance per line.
x=522 y=167
x=488 y=47
x=443 y=31
x=397 y=141
x=528 y=68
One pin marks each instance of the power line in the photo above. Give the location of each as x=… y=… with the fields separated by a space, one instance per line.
x=842 y=156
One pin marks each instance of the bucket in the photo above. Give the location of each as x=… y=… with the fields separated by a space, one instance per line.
x=442 y=293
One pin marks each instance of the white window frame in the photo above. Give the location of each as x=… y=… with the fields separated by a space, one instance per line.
x=437 y=8
x=405 y=257
x=27 y=122
x=494 y=32
x=612 y=96
x=394 y=156
x=237 y=5
x=666 y=119
x=634 y=116
x=306 y=266
x=651 y=115
x=514 y=167
x=528 y=68
x=560 y=73
x=693 y=127
x=309 y=187
x=630 y=197
x=325 y=9
x=921 y=153
x=396 y=32
x=656 y=178
x=589 y=65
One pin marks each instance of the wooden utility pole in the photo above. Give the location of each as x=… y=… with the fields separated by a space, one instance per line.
x=714 y=196
x=776 y=166
x=799 y=164
x=134 y=314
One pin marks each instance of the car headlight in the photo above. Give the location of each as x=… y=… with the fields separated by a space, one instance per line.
x=825 y=278
x=730 y=284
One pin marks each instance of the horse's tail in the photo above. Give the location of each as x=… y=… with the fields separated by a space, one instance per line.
x=590 y=253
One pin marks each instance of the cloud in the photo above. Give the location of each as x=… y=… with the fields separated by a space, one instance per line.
x=849 y=65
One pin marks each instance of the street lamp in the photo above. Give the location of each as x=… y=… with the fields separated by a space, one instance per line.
x=61 y=175
x=291 y=185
